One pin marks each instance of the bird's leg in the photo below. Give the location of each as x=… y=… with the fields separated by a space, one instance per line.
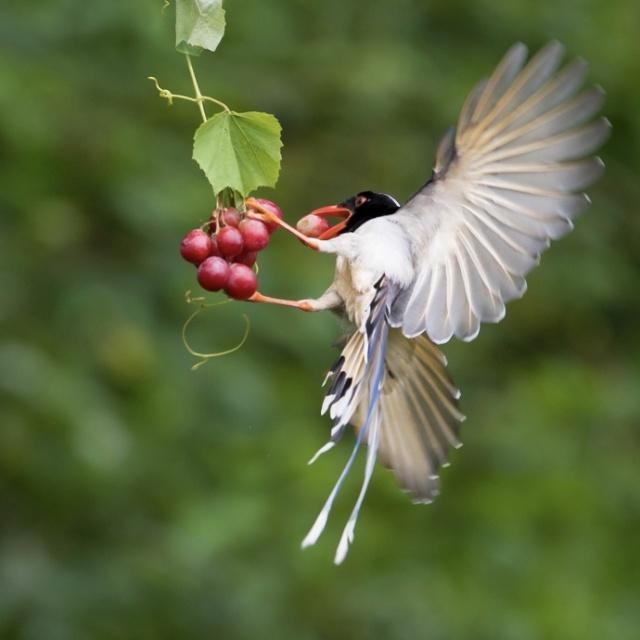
x=328 y=300
x=263 y=214
x=303 y=305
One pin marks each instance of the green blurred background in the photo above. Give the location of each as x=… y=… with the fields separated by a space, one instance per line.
x=139 y=499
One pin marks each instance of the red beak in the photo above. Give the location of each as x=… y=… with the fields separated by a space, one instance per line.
x=333 y=210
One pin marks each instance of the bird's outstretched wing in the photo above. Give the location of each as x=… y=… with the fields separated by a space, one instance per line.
x=507 y=181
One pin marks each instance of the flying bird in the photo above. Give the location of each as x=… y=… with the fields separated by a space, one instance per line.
x=507 y=179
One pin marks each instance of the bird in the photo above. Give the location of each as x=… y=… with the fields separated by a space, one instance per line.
x=508 y=179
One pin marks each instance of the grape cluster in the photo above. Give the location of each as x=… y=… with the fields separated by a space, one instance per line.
x=226 y=249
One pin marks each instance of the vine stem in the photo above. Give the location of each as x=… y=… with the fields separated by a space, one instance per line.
x=200 y=99
x=196 y=88
x=170 y=97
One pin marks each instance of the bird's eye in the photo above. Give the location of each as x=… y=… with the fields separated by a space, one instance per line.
x=360 y=200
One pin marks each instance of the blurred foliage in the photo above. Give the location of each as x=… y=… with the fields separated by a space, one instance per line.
x=141 y=500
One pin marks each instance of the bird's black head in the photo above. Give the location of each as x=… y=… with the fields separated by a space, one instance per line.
x=355 y=211
x=366 y=206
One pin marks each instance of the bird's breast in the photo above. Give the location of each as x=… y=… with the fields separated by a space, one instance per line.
x=355 y=286
x=382 y=250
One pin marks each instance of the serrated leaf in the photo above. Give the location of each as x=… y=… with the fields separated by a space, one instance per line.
x=240 y=151
x=199 y=25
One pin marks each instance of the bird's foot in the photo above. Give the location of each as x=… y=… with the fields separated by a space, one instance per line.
x=259 y=212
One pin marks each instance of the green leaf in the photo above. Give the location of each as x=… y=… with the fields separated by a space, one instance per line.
x=199 y=25
x=239 y=151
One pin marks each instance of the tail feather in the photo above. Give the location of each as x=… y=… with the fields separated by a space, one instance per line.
x=359 y=372
x=320 y=522
x=397 y=394
x=349 y=531
x=349 y=373
x=372 y=429
x=421 y=419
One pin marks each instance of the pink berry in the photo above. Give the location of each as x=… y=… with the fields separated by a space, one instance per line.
x=195 y=246
x=230 y=217
x=312 y=225
x=230 y=242
x=273 y=208
x=247 y=257
x=215 y=250
x=213 y=273
x=254 y=234
x=242 y=282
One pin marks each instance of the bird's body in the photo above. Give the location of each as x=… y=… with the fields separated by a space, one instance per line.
x=394 y=390
x=378 y=248
x=507 y=180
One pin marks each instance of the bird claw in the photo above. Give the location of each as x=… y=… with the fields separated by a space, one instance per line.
x=305 y=305
x=258 y=212
x=263 y=217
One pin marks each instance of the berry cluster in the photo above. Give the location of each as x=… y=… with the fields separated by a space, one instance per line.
x=226 y=251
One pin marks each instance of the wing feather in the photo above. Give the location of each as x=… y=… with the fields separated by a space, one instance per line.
x=559 y=177
x=500 y=80
x=539 y=69
x=505 y=183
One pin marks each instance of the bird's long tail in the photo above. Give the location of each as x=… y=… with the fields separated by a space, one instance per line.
x=358 y=373
x=397 y=394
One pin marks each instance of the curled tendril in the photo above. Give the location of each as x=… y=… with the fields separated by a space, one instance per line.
x=165 y=6
x=169 y=96
x=163 y=93
x=205 y=357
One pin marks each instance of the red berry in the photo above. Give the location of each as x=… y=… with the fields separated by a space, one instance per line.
x=312 y=225
x=230 y=217
x=242 y=282
x=215 y=250
x=195 y=246
x=247 y=257
x=254 y=234
x=213 y=273
x=230 y=242
x=273 y=208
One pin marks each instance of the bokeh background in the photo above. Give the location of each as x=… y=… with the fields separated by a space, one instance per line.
x=140 y=499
